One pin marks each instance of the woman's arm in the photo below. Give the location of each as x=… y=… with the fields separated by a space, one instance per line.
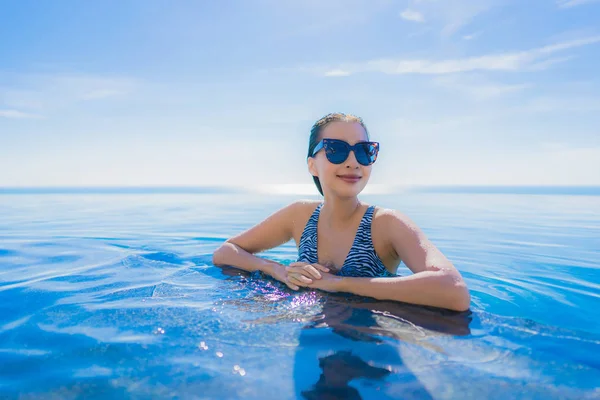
x=233 y=255
x=435 y=281
x=275 y=230
x=428 y=288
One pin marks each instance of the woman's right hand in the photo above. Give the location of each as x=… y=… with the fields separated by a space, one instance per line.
x=296 y=274
x=280 y=273
x=303 y=274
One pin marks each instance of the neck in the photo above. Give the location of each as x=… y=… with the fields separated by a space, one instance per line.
x=337 y=212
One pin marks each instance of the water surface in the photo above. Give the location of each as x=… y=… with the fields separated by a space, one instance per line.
x=113 y=295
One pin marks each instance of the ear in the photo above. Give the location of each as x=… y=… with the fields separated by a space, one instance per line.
x=311 y=167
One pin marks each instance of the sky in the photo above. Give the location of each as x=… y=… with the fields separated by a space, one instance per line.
x=190 y=93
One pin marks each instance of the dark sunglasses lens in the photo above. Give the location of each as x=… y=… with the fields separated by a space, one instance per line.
x=366 y=153
x=337 y=152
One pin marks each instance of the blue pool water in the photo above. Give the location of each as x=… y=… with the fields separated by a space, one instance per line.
x=114 y=296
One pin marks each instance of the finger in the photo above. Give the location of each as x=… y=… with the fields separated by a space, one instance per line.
x=297 y=264
x=302 y=271
x=300 y=278
x=312 y=271
x=295 y=281
x=321 y=267
x=290 y=284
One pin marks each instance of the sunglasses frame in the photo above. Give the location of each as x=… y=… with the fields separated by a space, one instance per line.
x=323 y=144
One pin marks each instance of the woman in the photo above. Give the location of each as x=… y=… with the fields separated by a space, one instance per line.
x=345 y=245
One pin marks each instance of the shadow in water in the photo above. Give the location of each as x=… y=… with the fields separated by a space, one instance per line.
x=350 y=338
x=338 y=370
x=350 y=347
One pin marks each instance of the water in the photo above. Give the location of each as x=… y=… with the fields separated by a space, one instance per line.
x=114 y=296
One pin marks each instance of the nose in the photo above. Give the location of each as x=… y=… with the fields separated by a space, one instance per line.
x=351 y=161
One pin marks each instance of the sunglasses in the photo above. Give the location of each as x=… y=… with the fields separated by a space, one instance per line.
x=337 y=151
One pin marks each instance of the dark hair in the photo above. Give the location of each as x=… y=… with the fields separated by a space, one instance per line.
x=318 y=126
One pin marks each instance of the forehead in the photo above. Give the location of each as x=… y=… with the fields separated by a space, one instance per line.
x=351 y=132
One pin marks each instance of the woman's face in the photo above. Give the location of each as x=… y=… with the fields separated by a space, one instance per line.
x=349 y=178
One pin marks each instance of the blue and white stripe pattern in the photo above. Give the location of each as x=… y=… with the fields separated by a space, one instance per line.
x=362 y=261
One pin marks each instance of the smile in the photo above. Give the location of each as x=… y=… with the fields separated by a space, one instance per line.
x=349 y=178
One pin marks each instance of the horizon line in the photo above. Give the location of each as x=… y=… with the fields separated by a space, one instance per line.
x=301 y=189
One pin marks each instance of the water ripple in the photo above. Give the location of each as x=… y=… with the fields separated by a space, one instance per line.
x=119 y=296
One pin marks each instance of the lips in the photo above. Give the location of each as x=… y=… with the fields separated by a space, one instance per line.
x=349 y=178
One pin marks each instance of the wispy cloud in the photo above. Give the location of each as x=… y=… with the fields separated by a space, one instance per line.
x=479 y=88
x=471 y=36
x=449 y=16
x=538 y=58
x=580 y=104
x=542 y=65
x=411 y=15
x=102 y=94
x=574 y=3
x=42 y=92
x=89 y=87
x=338 y=72
x=319 y=17
x=16 y=114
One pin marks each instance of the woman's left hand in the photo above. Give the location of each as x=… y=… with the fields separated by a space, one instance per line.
x=328 y=282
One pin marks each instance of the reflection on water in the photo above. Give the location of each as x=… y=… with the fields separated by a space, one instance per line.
x=344 y=333
x=363 y=322
x=339 y=369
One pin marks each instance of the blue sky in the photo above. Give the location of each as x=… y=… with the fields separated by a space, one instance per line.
x=481 y=92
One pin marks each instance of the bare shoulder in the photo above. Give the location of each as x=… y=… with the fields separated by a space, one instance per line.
x=296 y=210
x=386 y=218
x=301 y=211
x=307 y=203
x=383 y=230
x=409 y=242
x=303 y=206
x=279 y=227
x=390 y=228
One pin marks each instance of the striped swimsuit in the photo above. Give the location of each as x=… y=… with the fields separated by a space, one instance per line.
x=362 y=261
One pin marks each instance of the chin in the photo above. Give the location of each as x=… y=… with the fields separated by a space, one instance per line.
x=348 y=192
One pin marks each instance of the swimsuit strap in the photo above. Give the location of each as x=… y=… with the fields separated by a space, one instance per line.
x=362 y=259
x=307 y=250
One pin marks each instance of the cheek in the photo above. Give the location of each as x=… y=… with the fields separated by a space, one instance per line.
x=327 y=171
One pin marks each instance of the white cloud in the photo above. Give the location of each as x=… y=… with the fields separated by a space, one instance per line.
x=450 y=16
x=569 y=44
x=411 y=15
x=319 y=17
x=562 y=104
x=486 y=91
x=101 y=94
x=338 y=72
x=515 y=61
x=471 y=36
x=478 y=88
x=573 y=3
x=43 y=92
x=542 y=65
x=485 y=166
x=87 y=87
x=16 y=114
x=164 y=160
